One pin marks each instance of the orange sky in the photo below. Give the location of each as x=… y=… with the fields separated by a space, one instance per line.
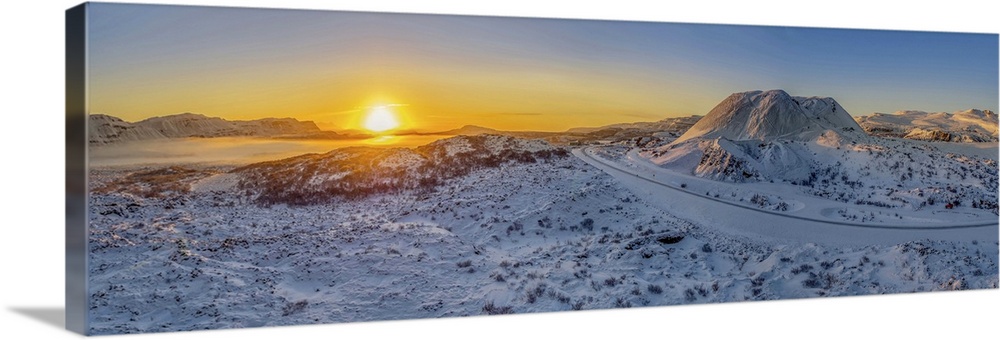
x=443 y=72
x=430 y=94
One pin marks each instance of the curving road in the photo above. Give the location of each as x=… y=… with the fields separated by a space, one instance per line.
x=587 y=155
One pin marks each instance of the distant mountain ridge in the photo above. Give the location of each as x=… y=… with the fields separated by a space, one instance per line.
x=967 y=126
x=107 y=129
x=470 y=130
x=665 y=129
x=673 y=124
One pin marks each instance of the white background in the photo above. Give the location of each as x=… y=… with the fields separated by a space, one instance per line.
x=32 y=190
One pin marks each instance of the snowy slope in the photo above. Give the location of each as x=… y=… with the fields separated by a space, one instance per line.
x=769 y=115
x=105 y=129
x=482 y=225
x=557 y=235
x=960 y=126
x=880 y=179
x=822 y=153
x=676 y=124
x=362 y=171
x=758 y=135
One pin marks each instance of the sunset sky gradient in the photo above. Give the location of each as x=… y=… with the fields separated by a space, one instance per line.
x=441 y=72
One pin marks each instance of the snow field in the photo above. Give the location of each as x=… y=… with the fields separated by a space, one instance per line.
x=548 y=236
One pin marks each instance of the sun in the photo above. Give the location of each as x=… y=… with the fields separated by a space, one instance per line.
x=380 y=119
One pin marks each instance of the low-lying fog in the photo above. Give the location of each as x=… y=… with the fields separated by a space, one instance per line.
x=231 y=150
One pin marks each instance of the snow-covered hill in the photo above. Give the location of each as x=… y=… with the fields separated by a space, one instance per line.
x=629 y=133
x=362 y=171
x=557 y=235
x=755 y=135
x=105 y=129
x=815 y=146
x=674 y=124
x=636 y=134
x=960 y=126
x=772 y=115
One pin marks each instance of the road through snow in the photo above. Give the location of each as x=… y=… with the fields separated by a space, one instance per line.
x=748 y=221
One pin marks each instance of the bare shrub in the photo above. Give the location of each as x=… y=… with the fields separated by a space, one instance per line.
x=294 y=307
x=492 y=309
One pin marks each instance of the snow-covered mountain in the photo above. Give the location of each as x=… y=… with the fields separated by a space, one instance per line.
x=356 y=172
x=749 y=136
x=771 y=115
x=105 y=129
x=815 y=146
x=960 y=126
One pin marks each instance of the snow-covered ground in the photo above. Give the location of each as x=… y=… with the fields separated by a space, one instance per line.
x=783 y=211
x=966 y=126
x=793 y=201
x=807 y=158
x=564 y=233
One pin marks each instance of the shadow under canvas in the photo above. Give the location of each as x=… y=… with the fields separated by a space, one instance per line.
x=53 y=316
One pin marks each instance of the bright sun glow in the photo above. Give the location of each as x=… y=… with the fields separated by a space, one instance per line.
x=381 y=119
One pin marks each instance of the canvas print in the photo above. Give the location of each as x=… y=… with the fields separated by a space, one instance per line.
x=260 y=167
